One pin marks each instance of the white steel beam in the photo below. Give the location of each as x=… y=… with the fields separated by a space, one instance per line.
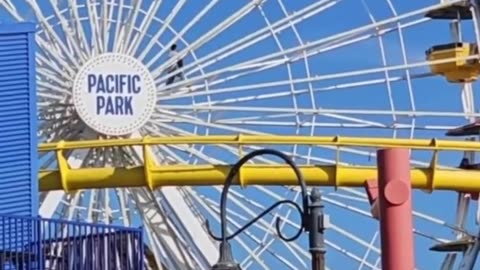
x=196 y=235
x=164 y=245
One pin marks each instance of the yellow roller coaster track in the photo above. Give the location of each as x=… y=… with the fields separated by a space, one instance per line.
x=153 y=175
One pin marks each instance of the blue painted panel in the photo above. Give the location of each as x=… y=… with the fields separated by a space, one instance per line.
x=18 y=140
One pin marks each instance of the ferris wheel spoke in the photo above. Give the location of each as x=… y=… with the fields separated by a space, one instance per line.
x=125 y=213
x=408 y=75
x=367 y=252
x=50 y=117
x=348 y=197
x=141 y=34
x=105 y=207
x=155 y=224
x=179 y=160
x=107 y=18
x=155 y=129
x=45 y=94
x=79 y=29
x=367 y=214
x=73 y=203
x=70 y=39
x=94 y=199
x=324 y=111
x=294 y=224
x=51 y=70
x=174 y=200
x=350 y=34
x=11 y=9
x=298 y=52
x=9 y=6
x=176 y=9
x=64 y=130
x=305 y=124
x=127 y=27
x=347 y=207
x=121 y=7
x=55 y=132
x=191 y=23
x=348 y=119
x=289 y=67
x=354 y=238
x=331 y=225
x=95 y=28
x=384 y=63
x=51 y=88
x=195 y=153
x=52 y=36
x=350 y=255
x=59 y=86
x=343 y=149
x=218 y=124
x=53 y=53
x=281 y=92
x=259 y=35
x=307 y=73
x=335 y=203
x=338 y=75
x=343 y=232
x=270 y=238
x=247 y=262
x=232 y=19
x=198 y=153
x=291 y=24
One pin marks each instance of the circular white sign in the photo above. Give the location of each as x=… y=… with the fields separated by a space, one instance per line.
x=114 y=94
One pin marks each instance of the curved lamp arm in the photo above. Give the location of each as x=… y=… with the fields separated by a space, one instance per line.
x=229 y=180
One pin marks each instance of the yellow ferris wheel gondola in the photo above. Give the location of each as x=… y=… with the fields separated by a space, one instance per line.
x=455 y=61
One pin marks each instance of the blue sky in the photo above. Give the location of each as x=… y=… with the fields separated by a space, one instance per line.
x=430 y=94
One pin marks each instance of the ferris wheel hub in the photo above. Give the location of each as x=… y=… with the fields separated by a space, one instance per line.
x=114 y=94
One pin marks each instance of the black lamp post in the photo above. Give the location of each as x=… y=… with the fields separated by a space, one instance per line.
x=311 y=216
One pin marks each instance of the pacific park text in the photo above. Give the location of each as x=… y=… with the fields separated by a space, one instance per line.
x=114 y=92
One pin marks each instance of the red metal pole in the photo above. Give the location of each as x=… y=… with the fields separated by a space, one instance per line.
x=395 y=204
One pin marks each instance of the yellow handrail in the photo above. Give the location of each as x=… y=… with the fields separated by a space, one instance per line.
x=154 y=175
x=423 y=144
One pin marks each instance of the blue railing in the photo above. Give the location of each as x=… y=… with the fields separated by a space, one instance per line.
x=39 y=243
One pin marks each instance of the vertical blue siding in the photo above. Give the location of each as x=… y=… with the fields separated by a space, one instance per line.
x=18 y=140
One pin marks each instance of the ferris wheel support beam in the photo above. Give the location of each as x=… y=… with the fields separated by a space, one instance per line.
x=155 y=224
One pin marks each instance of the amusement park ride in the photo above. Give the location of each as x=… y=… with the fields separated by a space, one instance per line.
x=109 y=144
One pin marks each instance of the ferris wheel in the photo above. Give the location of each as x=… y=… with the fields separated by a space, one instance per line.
x=134 y=68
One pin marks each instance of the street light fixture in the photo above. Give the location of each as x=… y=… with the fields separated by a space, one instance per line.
x=312 y=218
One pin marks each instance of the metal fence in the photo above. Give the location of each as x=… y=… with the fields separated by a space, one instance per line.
x=38 y=243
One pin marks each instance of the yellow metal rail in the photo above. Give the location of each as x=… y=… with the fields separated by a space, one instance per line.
x=154 y=176
x=425 y=144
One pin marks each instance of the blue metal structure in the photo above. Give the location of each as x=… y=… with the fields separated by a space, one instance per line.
x=18 y=138
x=61 y=244
x=27 y=241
